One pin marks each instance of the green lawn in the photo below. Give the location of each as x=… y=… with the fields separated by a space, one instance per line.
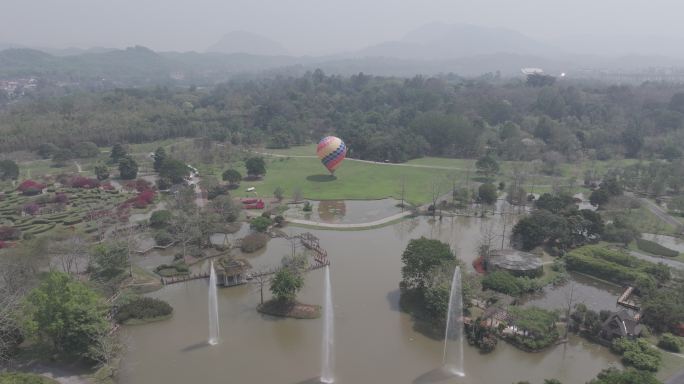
x=644 y=221
x=302 y=150
x=354 y=180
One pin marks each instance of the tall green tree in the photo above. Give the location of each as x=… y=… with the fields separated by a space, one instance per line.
x=118 y=153
x=9 y=170
x=64 y=312
x=487 y=166
x=285 y=285
x=159 y=158
x=102 y=171
x=420 y=258
x=174 y=170
x=232 y=176
x=487 y=193
x=255 y=166
x=110 y=258
x=128 y=168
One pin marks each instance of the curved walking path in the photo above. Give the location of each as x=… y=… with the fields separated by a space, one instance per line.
x=368 y=162
x=369 y=224
x=657 y=259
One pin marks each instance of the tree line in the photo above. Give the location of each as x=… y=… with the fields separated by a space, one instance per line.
x=380 y=118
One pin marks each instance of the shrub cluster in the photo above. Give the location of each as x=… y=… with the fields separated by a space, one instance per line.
x=670 y=342
x=143 y=308
x=30 y=188
x=253 y=242
x=504 y=282
x=637 y=353
x=84 y=182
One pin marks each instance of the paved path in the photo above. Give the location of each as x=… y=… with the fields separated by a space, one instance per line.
x=664 y=216
x=352 y=225
x=78 y=166
x=655 y=259
x=369 y=162
x=677 y=378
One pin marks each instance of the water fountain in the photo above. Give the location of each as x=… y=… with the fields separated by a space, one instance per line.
x=213 y=308
x=328 y=361
x=453 y=338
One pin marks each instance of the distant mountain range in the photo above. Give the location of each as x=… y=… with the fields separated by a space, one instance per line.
x=439 y=41
x=431 y=49
x=249 y=43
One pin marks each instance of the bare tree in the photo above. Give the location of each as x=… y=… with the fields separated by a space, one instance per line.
x=486 y=240
x=569 y=301
x=297 y=195
x=126 y=235
x=262 y=279
x=105 y=347
x=402 y=191
x=9 y=334
x=70 y=252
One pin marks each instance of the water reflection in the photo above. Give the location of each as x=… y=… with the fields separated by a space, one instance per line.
x=375 y=342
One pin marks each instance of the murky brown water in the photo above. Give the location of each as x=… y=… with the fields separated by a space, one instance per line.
x=596 y=295
x=375 y=343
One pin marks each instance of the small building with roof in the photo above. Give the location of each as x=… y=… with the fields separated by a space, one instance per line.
x=231 y=271
x=516 y=262
x=620 y=324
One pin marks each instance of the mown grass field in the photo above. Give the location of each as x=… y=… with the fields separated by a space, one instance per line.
x=353 y=180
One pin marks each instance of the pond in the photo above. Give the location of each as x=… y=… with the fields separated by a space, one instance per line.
x=345 y=211
x=375 y=343
x=595 y=294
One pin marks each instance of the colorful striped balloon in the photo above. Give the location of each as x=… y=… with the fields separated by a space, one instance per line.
x=331 y=150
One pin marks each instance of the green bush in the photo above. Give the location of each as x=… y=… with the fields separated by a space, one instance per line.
x=170 y=270
x=160 y=219
x=163 y=238
x=260 y=224
x=504 y=282
x=24 y=378
x=143 y=308
x=670 y=342
x=253 y=242
x=637 y=353
x=655 y=248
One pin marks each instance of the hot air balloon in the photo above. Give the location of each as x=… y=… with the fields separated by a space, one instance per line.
x=331 y=150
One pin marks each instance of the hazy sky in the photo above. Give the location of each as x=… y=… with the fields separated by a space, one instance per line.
x=315 y=26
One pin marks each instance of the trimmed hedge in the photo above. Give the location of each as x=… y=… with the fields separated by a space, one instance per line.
x=144 y=308
x=171 y=270
x=615 y=266
x=655 y=248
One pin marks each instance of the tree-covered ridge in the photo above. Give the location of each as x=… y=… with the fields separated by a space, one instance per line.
x=380 y=118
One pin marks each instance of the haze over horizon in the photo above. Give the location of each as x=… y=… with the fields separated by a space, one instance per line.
x=310 y=27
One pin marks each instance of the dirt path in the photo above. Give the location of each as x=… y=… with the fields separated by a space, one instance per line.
x=78 y=167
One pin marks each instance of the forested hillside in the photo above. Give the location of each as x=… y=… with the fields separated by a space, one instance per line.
x=380 y=118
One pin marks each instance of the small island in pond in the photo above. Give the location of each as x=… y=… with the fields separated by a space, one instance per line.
x=284 y=286
x=292 y=309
